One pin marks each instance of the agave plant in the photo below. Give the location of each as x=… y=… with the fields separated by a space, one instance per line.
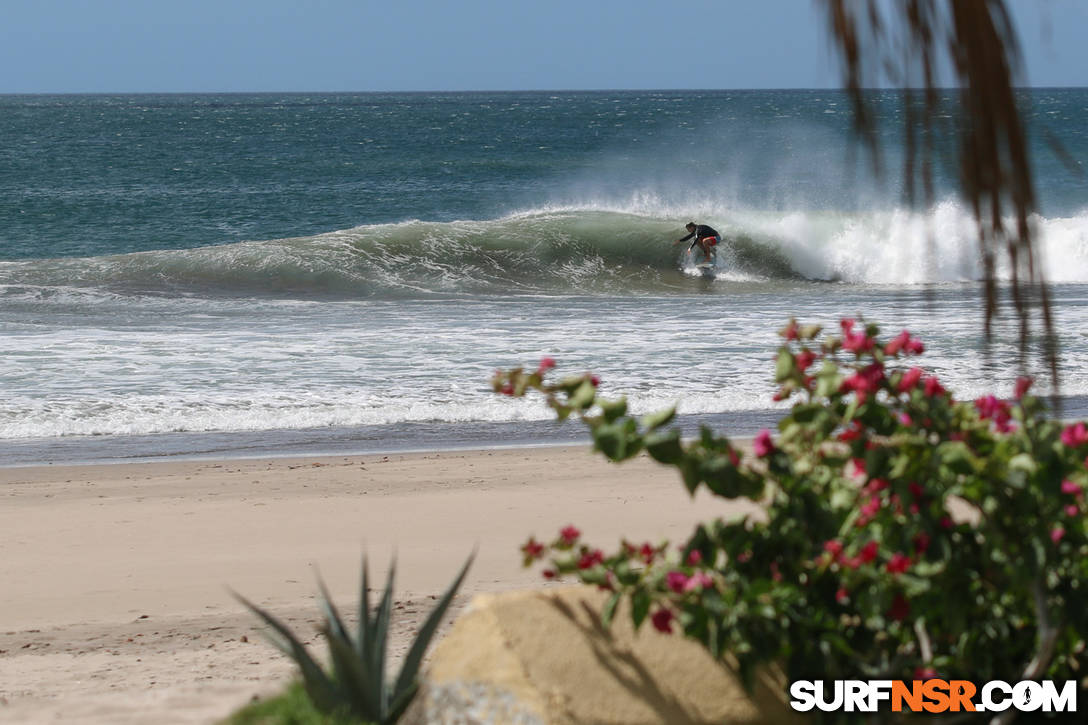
x=356 y=684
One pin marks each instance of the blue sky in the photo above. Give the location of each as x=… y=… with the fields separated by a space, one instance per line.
x=79 y=46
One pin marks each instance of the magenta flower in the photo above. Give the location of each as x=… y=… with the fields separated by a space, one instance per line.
x=591 y=559
x=1072 y=510
x=569 y=535
x=921 y=543
x=676 y=581
x=532 y=548
x=762 y=445
x=1056 y=534
x=842 y=596
x=933 y=387
x=909 y=380
x=546 y=364
x=698 y=581
x=805 y=358
x=1075 y=435
x=662 y=620
x=868 y=552
x=898 y=564
x=1070 y=488
x=694 y=557
x=1023 y=384
x=833 y=547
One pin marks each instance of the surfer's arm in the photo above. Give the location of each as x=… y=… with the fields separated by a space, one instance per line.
x=680 y=241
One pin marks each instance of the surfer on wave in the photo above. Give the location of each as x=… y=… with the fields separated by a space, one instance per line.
x=706 y=237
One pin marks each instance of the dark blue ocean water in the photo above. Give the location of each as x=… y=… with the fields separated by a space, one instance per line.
x=285 y=266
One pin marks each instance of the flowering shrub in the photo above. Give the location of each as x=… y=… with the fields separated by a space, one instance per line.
x=905 y=533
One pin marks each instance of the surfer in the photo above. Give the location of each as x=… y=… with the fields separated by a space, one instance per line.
x=706 y=237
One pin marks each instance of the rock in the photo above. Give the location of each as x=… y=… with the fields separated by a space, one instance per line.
x=543 y=658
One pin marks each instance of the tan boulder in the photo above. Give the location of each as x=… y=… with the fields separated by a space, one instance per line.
x=543 y=658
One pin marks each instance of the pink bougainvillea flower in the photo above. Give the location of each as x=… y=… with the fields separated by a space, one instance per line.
x=549 y=573
x=855 y=469
x=864 y=381
x=857 y=342
x=855 y=431
x=847 y=324
x=662 y=620
x=898 y=564
x=916 y=490
x=805 y=358
x=591 y=559
x=546 y=364
x=833 y=547
x=842 y=596
x=698 y=581
x=869 y=509
x=903 y=342
x=594 y=381
x=909 y=380
x=507 y=389
x=933 y=387
x=676 y=581
x=532 y=548
x=876 y=485
x=946 y=522
x=789 y=331
x=569 y=534
x=900 y=608
x=1072 y=510
x=868 y=552
x=1075 y=435
x=1023 y=385
x=1070 y=487
x=1057 y=534
x=647 y=553
x=775 y=573
x=921 y=542
x=762 y=445
x=897 y=343
x=694 y=557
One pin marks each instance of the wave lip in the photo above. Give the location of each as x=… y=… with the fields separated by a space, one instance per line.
x=563 y=250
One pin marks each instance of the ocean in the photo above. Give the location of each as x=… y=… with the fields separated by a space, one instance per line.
x=236 y=275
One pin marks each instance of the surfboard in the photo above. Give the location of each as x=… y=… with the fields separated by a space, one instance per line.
x=705 y=269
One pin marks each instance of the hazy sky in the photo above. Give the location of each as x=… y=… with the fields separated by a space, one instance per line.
x=60 y=46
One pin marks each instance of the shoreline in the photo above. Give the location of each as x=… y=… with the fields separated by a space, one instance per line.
x=120 y=609
x=401 y=438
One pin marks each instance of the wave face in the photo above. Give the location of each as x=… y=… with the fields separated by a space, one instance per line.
x=565 y=250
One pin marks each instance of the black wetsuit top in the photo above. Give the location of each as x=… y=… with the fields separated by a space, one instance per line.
x=701 y=232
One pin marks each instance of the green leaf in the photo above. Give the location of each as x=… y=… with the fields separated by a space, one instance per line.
x=665 y=446
x=609 y=610
x=640 y=607
x=613 y=409
x=583 y=397
x=785 y=365
x=409 y=671
x=653 y=421
x=318 y=685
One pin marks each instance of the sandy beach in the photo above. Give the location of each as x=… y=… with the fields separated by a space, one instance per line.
x=116 y=604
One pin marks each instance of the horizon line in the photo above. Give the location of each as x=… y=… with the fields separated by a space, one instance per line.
x=502 y=90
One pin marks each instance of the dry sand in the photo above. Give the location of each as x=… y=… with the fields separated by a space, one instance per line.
x=114 y=599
